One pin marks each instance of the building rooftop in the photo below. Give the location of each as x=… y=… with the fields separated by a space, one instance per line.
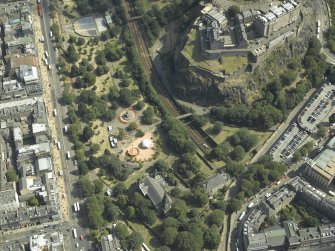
x=270 y=16
x=257 y=242
x=216 y=182
x=291 y=229
x=51 y=241
x=247 y=13
x=28 y=73
x=17 y=134
x=216 y=15
x=288 y=6
x=29 y=60
x=110 y=243
x=37 y=128
x=324 y=164
x=156 y=193
x=283 y=195
x=44 y=164
x=275 y=236
x=9 y=197
x=278 y=11
x=29 y=184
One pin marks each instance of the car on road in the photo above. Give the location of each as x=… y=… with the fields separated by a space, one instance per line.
x=81 y=237
x=77 y=245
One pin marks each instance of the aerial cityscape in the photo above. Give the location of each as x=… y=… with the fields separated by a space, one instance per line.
x=165 y=125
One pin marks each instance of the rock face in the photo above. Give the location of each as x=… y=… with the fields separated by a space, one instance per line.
x=202 y=87
x=196 y=85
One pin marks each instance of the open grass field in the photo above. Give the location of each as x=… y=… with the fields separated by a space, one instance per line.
x=204 y=168
x=192 y=52
x=160 y=3
x=223 y=135
x=149 y=239
x=228 y=131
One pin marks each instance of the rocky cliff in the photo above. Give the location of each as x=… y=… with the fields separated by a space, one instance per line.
x=197 y=85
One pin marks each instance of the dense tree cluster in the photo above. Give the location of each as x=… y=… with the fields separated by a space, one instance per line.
x=244 y=138
x=261 y=115
x=315 y=63
x=199 y=121
x=277 y=101
x=216 y=128
x=148 y=116
x=191 y=235
x=235 y=148
x=88 y=6
x=71 y=54
x=90 y=107
x=143 y=208
x=11 y=176
x=304 y=214
x=178 y=136
x=304 y=151
x=100 y=210
x=330 y=34
x=261 y=174
x=188 y=165
x=110 y=165
x=127 y=97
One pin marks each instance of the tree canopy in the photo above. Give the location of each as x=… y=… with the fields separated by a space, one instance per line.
x=11 y=176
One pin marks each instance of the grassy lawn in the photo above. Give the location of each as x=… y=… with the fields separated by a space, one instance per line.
x=223 y=135
x=149 y=239
x=136 y=175
x=204 y=168
x=100 y=136
x=228 y=131
x=192 y=52
x=160 y=3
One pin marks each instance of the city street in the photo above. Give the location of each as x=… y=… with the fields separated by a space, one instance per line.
x=52 y=94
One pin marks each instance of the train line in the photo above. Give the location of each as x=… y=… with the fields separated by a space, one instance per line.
x=163 y=93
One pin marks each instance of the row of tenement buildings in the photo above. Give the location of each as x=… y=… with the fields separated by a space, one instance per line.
x=24 y=132
x=288 y=236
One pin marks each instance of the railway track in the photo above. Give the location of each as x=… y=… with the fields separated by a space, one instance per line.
x=164 y=94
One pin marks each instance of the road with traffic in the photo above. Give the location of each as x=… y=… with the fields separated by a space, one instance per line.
x=324 y=15
x=70 y=170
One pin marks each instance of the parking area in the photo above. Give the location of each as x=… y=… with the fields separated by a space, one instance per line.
x=288 y=143
x=318 y=109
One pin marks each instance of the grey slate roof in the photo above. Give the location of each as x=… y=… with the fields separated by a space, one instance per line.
x=156 y=193
x=216 y=182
